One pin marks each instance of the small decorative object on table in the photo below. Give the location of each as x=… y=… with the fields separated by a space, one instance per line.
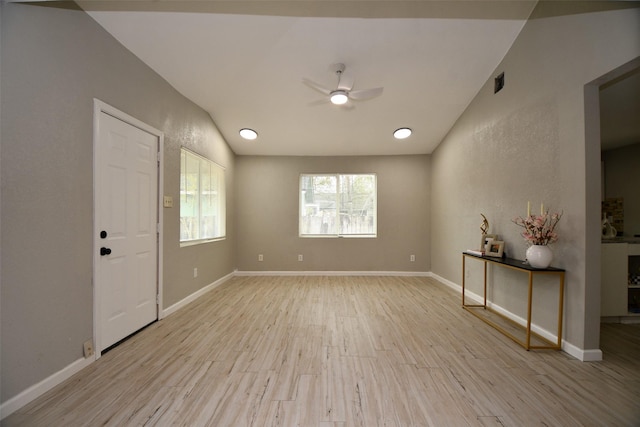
x=486 y=238
x=484 y=227
x=495 y=248
x=539 y=232
x=539 y=256
x=608 y=230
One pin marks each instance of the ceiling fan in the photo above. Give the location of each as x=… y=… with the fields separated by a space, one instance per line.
x=344 y=91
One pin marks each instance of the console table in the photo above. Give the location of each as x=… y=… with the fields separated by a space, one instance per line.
x=518 y=265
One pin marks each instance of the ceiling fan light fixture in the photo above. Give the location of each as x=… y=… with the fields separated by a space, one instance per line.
x=402 y=133
x=339 y=97
x=249 y=134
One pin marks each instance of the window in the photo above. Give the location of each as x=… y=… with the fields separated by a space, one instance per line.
x=202 y=198
x=338 y=205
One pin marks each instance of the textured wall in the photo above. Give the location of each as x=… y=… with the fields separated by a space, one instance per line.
x=527 y=143
x=54 y=62
x=267 y=207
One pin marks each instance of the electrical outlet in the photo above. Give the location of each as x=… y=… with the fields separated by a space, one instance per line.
x=300 y=257
x=88 y=348
x=167 y=201
x=195 y=272
x=260 y=257
x=412 y=258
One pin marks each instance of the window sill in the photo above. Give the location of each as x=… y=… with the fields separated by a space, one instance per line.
x=200 y=242
x=333 y=236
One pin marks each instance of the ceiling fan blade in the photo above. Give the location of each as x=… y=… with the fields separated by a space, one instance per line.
x=316 y=86
x=345 y=82
x=362 y=94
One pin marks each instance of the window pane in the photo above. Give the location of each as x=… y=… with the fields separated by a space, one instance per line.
x=189 y=180
x=318 y=199
x=219 y=197
x=207 y=206
x=202 y=206
x=357 y=204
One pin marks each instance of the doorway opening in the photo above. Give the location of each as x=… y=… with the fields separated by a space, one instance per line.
x=596 y=123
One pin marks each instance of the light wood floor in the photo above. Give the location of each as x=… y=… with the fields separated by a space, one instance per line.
x=341 y=351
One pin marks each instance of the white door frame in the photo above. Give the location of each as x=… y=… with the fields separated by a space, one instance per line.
x=100 y=107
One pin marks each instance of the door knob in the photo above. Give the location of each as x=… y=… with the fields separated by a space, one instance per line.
x=105 y=251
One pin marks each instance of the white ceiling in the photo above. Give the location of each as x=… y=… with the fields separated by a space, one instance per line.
x=244 y=61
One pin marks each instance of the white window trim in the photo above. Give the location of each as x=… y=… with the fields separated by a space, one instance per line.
x=338 y=235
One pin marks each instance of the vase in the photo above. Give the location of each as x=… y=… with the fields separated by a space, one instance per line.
x=539 y=256
x=608 y=231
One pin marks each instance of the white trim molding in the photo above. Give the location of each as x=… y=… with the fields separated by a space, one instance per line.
x=10 y=406
x=333 y=273
x=194 y=296
x=592 y=355
x=35 y=391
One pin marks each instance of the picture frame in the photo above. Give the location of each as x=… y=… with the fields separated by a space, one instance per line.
x=485 y=240
x=495 y=248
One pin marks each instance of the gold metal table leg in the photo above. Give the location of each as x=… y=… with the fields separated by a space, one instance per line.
x=528 y=342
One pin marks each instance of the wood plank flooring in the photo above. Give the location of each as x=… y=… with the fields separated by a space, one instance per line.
x=341 y=351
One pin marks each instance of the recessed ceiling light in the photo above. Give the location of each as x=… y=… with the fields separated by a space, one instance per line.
x=248 y=133
x=402 y=133
x=339 y=97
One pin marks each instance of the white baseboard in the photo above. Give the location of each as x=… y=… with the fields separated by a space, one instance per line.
x=194 y=296
x=448 y=283
x=333 y=273
x=592 y=355
x=47 y=384
x=37 y=390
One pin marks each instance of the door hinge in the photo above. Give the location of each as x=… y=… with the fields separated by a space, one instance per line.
x=158 y=299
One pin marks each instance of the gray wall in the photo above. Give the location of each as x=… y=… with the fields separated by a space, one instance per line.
x=621 y=177
x=527 y=143
x=54 y=62
x=267 y=207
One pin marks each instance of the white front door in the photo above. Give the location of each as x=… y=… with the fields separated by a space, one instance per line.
x=126 y=218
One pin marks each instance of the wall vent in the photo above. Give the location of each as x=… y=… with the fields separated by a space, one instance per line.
x=498 y=83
